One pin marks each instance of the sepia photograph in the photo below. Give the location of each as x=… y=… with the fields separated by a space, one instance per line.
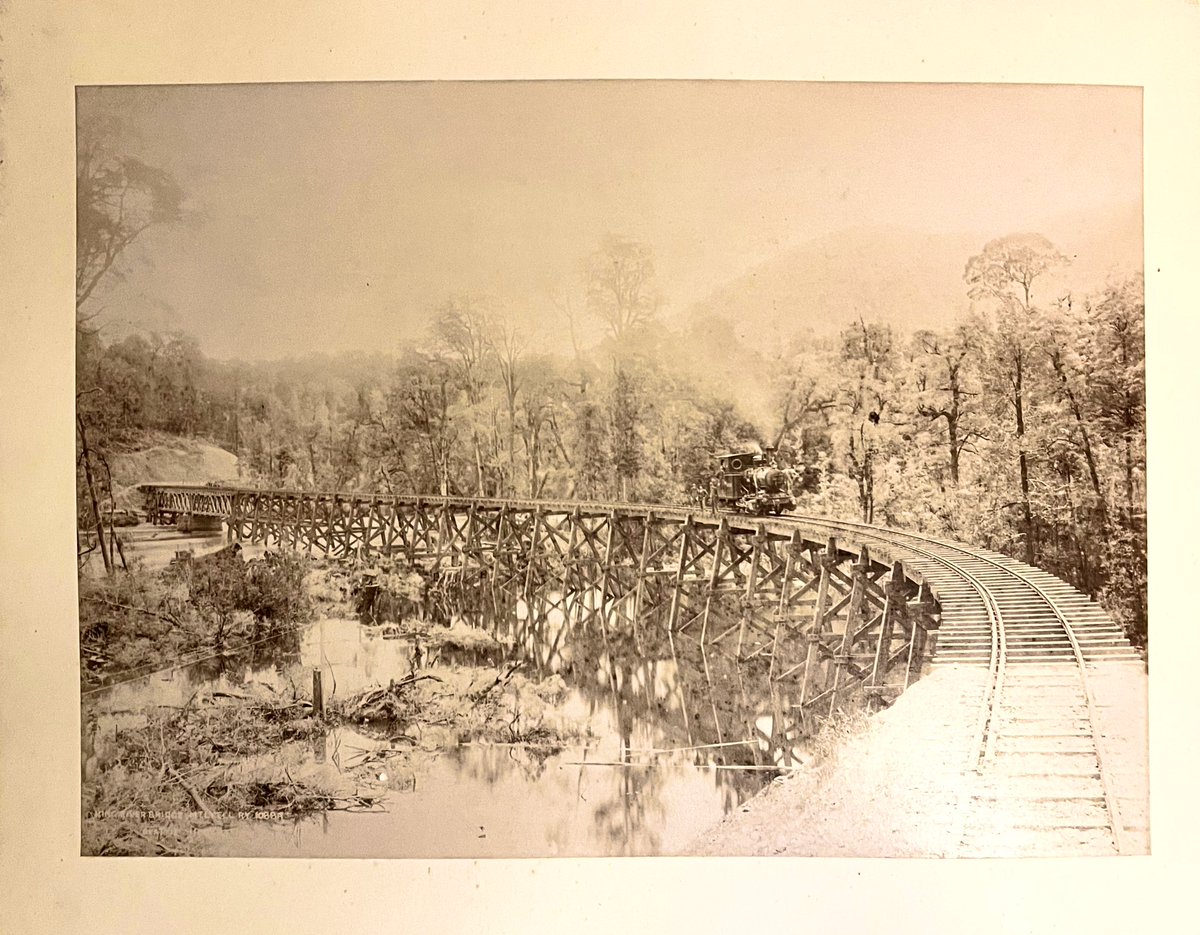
x=602 y=468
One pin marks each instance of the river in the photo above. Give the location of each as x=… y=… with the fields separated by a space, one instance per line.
x=670 y=746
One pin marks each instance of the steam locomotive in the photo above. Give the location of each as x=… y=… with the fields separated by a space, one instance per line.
x=751 y=482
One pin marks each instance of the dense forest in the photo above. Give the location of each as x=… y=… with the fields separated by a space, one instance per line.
x=1022 y=428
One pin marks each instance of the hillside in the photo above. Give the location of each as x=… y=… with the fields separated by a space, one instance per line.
x=165 y=458
x=907 y=278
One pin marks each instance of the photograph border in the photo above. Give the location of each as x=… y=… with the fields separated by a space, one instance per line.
x=54 y=46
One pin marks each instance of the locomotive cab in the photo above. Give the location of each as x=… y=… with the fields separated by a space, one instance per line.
x=751 y=482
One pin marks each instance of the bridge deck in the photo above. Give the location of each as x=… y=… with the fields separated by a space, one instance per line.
x=1029 y=729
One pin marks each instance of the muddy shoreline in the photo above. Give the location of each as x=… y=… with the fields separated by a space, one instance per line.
x=534 y=737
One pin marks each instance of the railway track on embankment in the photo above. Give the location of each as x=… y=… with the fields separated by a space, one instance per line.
x=1048 y=766
x=1026 y=737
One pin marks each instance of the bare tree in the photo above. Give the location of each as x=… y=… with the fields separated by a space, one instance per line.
x=949 y=400
x=1003 y=276
x=620 y=285
x=621 y=292
x=508 y=348
x=867 y=348
x=461 y=331
x=118 y=197
x=1067 y=366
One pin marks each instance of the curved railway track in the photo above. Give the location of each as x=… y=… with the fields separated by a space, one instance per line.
x=1038 y=776
x=1036 y=756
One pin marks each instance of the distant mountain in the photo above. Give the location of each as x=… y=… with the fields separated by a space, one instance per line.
x=907 y=278
x=910 y=279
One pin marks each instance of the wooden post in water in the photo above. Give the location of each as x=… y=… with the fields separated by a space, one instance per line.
x=824 y=561
x=640 y=590
x=714 y=579
x=499 y=554
x=318 y=693
x=858 y=587
x=537 y=520
x=685 y=541
x=749 y=596
x=606 y=570
x=894 y=607
x=569 y=598
x=472 y=552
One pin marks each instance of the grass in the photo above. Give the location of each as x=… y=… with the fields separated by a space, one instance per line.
x=136 y=620
x=183 y=764
x=231 y=755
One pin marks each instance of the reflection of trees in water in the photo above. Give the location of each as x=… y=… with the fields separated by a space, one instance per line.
x=496 y=761
x=635 y=680
x=623 y=818
x=623 y=815
x=665 y=688
x=538 y=633
x=279 y=652
x=284 y=648
x=493 y=765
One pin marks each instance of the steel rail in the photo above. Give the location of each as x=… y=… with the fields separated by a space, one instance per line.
x=985 y=734
x=1110 y=799
x=1112 y=806
x=984 y=743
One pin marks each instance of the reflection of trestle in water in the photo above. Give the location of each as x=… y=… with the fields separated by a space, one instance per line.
x=752 y=623
x=719 y=707
x=729 y=599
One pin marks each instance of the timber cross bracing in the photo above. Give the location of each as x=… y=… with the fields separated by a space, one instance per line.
x=810 y=608
x=816 y=617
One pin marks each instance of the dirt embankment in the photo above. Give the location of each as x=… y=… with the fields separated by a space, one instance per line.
x=888 y=788
x=168 y=459
x=904 y=786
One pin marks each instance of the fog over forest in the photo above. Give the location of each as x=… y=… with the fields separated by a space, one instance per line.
x=586 y=291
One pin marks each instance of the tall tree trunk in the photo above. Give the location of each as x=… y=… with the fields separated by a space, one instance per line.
x=869 y=471
x=1023 y=461
x=512 y=439
x=1129 y=426
x=479 y=486
x=87 y=472
x=1088 y=453
x=1083 y=573
x=953 y=418
x=531 y=453
x=952 y=431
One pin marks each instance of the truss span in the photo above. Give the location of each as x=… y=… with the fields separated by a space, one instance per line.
x=1042 y=772
x=818 y=617
x=821 y=608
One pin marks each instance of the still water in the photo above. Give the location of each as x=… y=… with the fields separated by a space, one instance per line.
x=666 y=738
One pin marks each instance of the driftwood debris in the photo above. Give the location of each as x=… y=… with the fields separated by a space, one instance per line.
x=194 y=795
x=500 y=679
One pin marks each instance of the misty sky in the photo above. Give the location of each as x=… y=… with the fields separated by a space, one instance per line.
x=333 y=216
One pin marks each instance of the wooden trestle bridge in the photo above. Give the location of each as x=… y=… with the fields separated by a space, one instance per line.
x=821 y=608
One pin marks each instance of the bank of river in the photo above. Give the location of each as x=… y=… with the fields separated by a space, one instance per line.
x=623 y=780
x=155 y=546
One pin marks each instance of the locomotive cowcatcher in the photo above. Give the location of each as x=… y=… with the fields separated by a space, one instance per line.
x=751 y=482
